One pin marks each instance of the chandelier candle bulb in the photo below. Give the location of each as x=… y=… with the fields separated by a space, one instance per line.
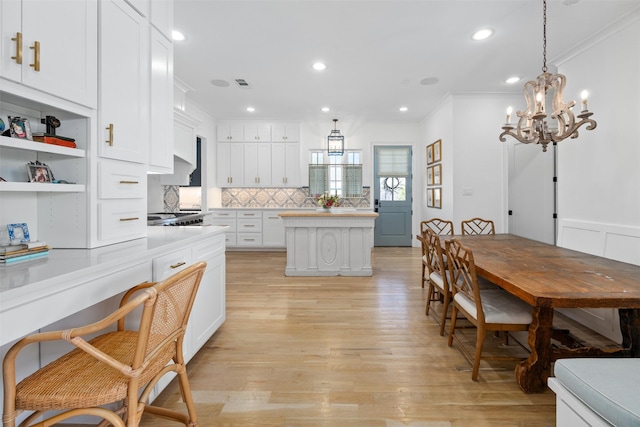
x=584 y=95
x=509 y=111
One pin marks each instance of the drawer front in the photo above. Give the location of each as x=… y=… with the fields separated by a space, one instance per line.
x=248 y=239
x=243 y=214
x=167 y=265
x=229 y=222
x=223 y=213
x=250 y=225
x=209 y=248
x=230 y=239
x=120 y=220
x=121 y=180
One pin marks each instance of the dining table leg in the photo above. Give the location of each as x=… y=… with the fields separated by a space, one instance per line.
x=532 y=373
x=630 y=329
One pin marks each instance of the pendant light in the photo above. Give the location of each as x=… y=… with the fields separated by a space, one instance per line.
x=335 y=141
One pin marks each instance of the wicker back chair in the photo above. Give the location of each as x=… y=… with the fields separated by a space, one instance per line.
x=439 y=287
x=490 y=309
x=477 y=226
x=120 y=366
x=439 y=226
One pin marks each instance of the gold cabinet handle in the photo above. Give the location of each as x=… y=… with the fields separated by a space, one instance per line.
x=110 y=140
x=36 y=56
x=129 y=182
x=180 y=264
x=129 y=219
x=18 y=40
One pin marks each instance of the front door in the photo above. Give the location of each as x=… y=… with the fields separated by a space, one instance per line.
x=392 y=195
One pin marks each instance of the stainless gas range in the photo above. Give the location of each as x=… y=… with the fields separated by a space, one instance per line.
x=175 y=218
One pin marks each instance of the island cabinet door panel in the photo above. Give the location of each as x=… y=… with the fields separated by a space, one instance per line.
x=330 y=249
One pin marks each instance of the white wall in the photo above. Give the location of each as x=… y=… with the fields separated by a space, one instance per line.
x=599 y=173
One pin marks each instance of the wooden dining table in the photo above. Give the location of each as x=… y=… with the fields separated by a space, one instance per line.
x=549 y=277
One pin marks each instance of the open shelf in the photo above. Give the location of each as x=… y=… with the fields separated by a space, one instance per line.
x=24 y=144
x=42 y=187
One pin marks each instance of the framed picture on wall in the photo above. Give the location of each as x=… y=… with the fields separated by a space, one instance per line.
x=437 y=174
x=430 y=175
x=437 y=151
x=429 y=197
x=437 y=198
x=429 y=154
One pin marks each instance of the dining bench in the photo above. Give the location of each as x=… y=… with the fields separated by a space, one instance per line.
x=597 y=392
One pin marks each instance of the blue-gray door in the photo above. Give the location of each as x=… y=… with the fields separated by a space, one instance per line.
x=392 y=195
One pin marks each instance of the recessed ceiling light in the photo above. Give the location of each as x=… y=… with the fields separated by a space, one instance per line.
x=482 y=34
x=326 y=109
x=177 y=36
x=251 y=109
x=512 y=80
x=403 y=109
x=319 y=66
x=429 y=81
x=220 y=83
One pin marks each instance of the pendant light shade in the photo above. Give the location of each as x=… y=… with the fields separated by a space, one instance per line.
x=335 y=141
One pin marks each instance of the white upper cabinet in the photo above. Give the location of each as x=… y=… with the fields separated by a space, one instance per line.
x=257 y=133
x=285 y=164
x=124 y=95
x=51 y=46
x=285 y=133
x=230 y=164
x=161 y=143
x=162 y=16
x=257 y=164
x=230 y=133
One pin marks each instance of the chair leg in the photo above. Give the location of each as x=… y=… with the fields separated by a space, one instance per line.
x=187 y=397
x=422 y=277
x=452 y=328
x=481 y=334
x=430 y=294
x=445 y=307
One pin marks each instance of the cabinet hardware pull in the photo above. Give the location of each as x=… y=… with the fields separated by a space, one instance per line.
x=129 y=219
x=18 y=40
x=129 y=182
x=180 y=264
x=36 y=56
x=249 y=214
x=110 y=140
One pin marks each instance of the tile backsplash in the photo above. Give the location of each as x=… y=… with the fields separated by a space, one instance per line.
x=282 y=198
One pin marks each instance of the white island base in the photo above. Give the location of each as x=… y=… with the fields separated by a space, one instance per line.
x=335 y=243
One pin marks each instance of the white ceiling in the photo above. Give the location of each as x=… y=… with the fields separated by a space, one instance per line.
x=377 y=52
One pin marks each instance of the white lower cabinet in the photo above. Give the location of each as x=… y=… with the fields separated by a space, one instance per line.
x=251 y=228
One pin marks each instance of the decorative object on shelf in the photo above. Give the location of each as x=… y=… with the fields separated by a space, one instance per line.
x=532 y=126
x=18 y=128
x=52 y=123
x=18 y=233
x=328 y=201
x=1 y=125
x=335 y=141
x=39 y=172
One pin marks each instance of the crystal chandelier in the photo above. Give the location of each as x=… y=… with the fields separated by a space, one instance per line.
x=532 y=125
x=335 y=141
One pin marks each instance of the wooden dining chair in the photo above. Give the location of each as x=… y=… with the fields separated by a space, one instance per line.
x=119 y=366
x=442 y=228
x=439 y=288
x=477 y=226
x=487 y=309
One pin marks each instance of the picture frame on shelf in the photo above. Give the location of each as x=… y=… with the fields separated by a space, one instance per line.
x=430 y=175
x=429 y=197
x=18 y=233
x=39 y=172
x=437 y=198
x=19 y=127
x=437 y=151
x=429 y=154
x=437 y=174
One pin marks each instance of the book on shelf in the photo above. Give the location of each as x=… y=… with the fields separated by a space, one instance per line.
x=23 y=257
x=22 y=249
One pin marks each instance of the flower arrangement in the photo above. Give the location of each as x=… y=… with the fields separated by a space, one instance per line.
x=327 y=201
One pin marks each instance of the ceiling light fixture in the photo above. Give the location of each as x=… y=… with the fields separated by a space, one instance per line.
x=335 y=141
x=325 y=109
x=482 y=34
x=532 y=126
x=251 y=109
x=403 y=109
x=512 y=80
x=319 y=66
x=177 y=36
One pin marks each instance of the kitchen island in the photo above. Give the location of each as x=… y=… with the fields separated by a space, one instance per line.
x=335 y=242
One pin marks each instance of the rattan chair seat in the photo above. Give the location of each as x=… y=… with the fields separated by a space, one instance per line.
x=79 y=380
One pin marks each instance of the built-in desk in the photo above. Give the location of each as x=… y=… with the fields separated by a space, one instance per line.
x=329 y=243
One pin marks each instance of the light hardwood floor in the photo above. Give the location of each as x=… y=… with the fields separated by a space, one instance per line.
x=338 y=351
